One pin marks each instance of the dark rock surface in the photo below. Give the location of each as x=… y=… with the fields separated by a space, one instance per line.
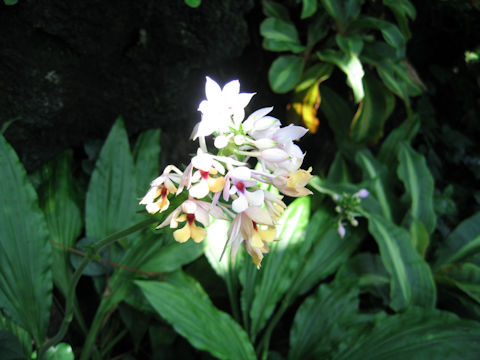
x=69 y=68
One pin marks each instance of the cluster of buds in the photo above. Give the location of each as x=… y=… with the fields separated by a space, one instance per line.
x=347 y=208
x=223 y=185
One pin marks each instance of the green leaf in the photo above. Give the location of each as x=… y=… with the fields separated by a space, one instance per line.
x=193 y=3
x=402 y=9
x=342 y=11
x=338 y=113
x=350 y=44
x=418 y=182
x=215 y=245
x=465 y=276
x=280 y=36
x=285 y=73
x=281 y=263
x=420 y=237
x=407 y=130
x=334 y=306
x=275 y=10
x=10 y=347
x=416 y=334
x=463 y=243
x=326 y=254
x=111 y=199
x=25 y=253
x=146 y=154
x=309 y=7
x=58 y=198
x=376 y=172
x=313 y=75
x=62 y=351
x=374 y=110
x=411 y=278
x=10 y=2
x=391 y=34
x=198 y=320
x=339 y=172
x=317 y=28
x=351 y=66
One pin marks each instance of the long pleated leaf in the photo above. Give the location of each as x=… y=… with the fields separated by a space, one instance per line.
x=25 y=253
x=146 y=153
x=58 y=199
x=281 y=264
x=198 y=320
x=416 y=335
x=319 y=321
x=418 y=182
x=411 y=277
x=111 y=200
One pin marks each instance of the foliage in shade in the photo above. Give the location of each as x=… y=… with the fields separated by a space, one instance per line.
x=111 y=200
x=59 y=200
x=10 y=347
x=146 y=153
x=25 y=253
x=411 y=278
x=195 y=318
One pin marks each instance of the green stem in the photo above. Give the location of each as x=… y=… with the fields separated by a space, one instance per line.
x=232 y=292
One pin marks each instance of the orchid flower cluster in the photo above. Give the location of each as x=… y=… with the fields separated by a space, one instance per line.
x=224 y=185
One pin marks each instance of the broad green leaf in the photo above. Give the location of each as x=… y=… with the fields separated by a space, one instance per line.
x=375 y=171
x=418 y=182
x=351 y=66
x=280 y=36
x=339 y=172
x=275 y=10
x=198 y=320
x=325 y=254
x=342 y=11
x=390 y=148
x=402 y=9
x=10 y=2
x=368 y=271
x=58 y=198
x=22 y=336
x=146 y=155
x=319 y=324
x=318 y=28
x=465 y=276
x=308 y=8
x=25 y=252
x=373 y=111
x=313 y=75
x=462 y=243
x=349 y=44
x=390 y=33
x=193 y=3
x=281 y=263
x=420 y=237
x=62 y=351
x=285 y=73
x=10 y=347
x=411 y=278
x=111 y=199
x=416 y=335
x=338 y=113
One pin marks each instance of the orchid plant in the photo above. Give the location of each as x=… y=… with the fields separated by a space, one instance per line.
x=223 y=184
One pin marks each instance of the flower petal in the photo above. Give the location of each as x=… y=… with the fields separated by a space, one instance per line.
x=240 y=204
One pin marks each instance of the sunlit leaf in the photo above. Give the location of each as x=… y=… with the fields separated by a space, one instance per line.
x=285 y=73
x=350 y=65
x=25 y=253
x=411 y=278
x=281 y=263
x=198 y=320
x=193 y=3
x=418 y=182
x=62 y=351
x=374 y=110
x=111 y=200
